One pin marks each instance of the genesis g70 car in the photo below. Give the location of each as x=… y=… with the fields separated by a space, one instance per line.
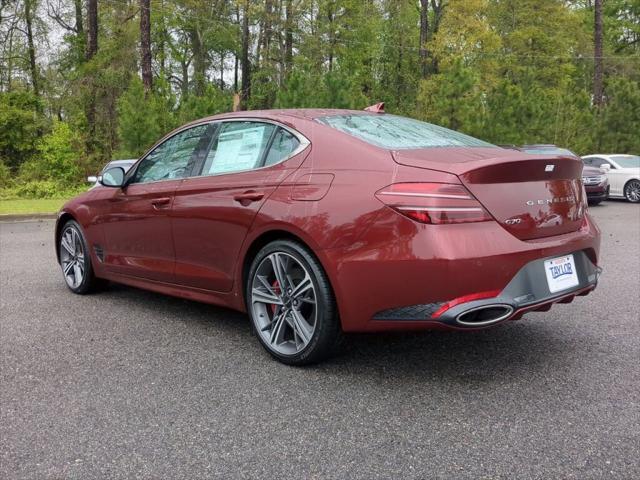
x=319 y=222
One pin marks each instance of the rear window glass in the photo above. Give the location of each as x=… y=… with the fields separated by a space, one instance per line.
x=396 y=133
x=548 y=151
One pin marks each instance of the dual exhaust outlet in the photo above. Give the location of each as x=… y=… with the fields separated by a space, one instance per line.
x=484 y=315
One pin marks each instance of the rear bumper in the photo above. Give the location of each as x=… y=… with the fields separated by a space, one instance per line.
x=401 y=273
x=527 y=291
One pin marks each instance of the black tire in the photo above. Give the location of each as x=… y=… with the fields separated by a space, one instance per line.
x=593 y=203
x=632 y=191
x=327 y=334
x=89 y=282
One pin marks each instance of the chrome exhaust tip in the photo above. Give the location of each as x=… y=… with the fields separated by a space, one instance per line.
x=484 y=315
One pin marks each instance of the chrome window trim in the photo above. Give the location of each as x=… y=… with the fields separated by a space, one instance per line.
x=304 y=143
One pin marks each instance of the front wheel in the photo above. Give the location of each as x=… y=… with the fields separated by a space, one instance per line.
x=632 y=191
x=75 y=259
x=291 y=304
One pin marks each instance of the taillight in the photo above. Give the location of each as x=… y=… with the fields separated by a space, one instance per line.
x=434 y=203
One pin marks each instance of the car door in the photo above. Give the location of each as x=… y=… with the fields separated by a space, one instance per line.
x=213 y=212
x=136 y=224
x=611 y=175
x=616 y=178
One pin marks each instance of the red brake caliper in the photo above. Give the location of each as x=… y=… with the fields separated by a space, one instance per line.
x=276 y=290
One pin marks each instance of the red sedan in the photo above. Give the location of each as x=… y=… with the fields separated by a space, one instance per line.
x=318 y=222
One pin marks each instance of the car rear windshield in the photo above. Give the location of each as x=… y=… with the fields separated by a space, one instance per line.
x=548 y=151
x=395 y=133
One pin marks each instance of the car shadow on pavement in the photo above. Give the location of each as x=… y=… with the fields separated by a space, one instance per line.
x=202 y=314
x=507 y=351
x=497 y=353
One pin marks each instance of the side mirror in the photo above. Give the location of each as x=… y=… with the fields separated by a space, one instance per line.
x=92 y=179
x=112 y=177
x=606 y=167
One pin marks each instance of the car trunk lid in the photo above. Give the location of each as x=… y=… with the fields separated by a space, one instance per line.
x=531 y=196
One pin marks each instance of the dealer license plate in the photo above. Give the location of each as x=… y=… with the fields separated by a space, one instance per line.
x=561 y=273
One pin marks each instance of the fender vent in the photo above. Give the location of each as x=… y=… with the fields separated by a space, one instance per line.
x=98 y=250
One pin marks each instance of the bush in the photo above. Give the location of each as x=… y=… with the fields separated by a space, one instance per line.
x=40 y=189
x=56 y=158
x=21 y=124
x=5 y=175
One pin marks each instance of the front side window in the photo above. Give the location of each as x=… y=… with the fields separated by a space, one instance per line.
x=395 y=133
x=598 y=162
x=172 y=159
x=238 y=146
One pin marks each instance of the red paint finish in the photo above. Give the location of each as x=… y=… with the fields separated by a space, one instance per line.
x=312 y=187
x=138 y=237
x=197 y=243
x=466 y=298
x=211 y=217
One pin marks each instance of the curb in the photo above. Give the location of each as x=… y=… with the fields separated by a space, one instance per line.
x=27 y=217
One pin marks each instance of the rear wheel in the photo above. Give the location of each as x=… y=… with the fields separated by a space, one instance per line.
x=632 y=191
x=75 y=260
x=291 y=304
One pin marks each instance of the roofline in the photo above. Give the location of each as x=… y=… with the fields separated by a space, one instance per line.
x=298 y=113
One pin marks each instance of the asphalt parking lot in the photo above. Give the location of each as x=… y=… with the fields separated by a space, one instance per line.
x=131 y=384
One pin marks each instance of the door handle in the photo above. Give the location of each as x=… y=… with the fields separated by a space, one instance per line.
x=247 y=197
x=160 y=202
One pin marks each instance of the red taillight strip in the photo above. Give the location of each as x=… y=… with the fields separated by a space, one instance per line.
x=434 y=203
x=430 y=195
x=441 y=209
x=464 y=299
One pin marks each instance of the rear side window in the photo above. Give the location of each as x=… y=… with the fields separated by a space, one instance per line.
x=627 y=161
x=596 y=161
x=238 y=146
x=396 y=133
x=284 y=144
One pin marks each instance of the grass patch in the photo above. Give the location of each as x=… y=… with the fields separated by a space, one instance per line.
x=20 y=206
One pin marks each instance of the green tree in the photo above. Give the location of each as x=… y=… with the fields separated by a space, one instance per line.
x=139 y=125
x=56 y=157
x=21 y=125
x=453 y=99
x=299 y=91
x=212 y=102
x=619 y=123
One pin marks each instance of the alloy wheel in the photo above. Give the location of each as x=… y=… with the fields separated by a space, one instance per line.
x=72 y=257
x=632 y=191
x=284 y=303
